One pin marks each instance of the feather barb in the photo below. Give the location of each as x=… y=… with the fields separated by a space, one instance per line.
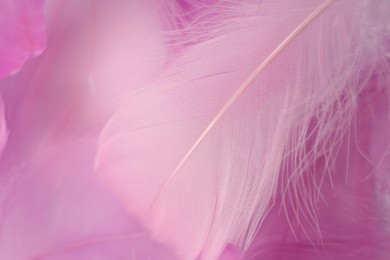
x=243 y=87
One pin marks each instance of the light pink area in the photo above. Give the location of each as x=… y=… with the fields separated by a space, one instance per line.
x=98 y=125
x=22 y=33
x=57 y=210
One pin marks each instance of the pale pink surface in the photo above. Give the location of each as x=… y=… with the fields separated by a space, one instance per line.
x=53 y=207
x=22 y=33
x=57 y=210
x=99 y=121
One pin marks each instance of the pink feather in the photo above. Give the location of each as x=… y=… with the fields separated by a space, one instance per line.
x=195 y=129
x=237 y=114
x=22 y=33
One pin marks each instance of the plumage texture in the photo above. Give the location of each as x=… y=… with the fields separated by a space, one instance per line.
x=279 y=126
x=197 y=129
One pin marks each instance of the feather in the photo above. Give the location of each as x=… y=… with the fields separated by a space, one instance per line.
x=22 y=33
x=195 y=129
x=54 y=109
x=199 y=155
x=47 y=214
x=351 y=208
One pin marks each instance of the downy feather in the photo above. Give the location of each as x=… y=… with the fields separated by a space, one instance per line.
x=252 y=104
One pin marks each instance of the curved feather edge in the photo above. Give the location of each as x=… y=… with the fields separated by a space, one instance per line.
x=22 y=33
x=291 y=115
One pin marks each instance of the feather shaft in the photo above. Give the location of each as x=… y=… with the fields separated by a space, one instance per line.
x=244 y=86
